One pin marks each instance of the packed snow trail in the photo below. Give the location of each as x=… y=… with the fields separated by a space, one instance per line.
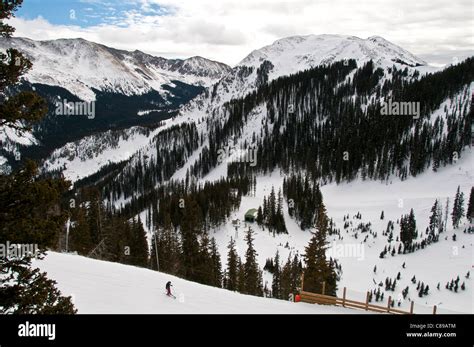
x=100 y=287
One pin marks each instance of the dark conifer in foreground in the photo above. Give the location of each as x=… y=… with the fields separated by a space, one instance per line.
x=31 y=207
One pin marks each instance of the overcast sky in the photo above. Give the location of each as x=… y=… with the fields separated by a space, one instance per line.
x=438 y=31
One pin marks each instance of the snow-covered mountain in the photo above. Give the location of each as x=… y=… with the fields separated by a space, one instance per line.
x=94 y=72
x=81 y=66
x=298 y=53
x=284 y=57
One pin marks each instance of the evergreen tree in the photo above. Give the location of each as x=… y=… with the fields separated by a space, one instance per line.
x=440 y=218
x=30 y=206
x=296 y=272
x=241 y=280
x=470 y=206
x=318 y=269
x=260 y=215
x=276 y=283
x=28 y=291
x=434 y=217
x=21 y=110
x=216 y=279
x=458 y=208
x=204 y=270
x=169 y=249
x=446 y=213
x=79 y=234
x=408 y=229
x=252 y=274
x=190 y=228
x=138 y=245
x=285 y=280
x=232 y=267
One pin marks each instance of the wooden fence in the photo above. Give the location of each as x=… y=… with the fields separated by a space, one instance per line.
x=323 y=299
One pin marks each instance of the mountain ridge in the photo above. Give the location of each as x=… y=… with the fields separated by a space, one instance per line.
x=80 y=66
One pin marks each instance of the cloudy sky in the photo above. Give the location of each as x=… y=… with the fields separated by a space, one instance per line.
x=438 y=31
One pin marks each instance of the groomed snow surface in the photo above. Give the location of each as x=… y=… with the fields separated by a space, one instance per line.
x=100 y=287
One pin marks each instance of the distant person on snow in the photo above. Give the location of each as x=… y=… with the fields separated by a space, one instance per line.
x=168 y=288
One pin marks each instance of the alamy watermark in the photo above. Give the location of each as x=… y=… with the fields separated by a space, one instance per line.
x=230 y=154
x=77 y=108
x=28 y=329
x=346 y=250
x=400 y=108
x=13 y=251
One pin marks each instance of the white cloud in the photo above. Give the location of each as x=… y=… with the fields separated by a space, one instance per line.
x=227 y=30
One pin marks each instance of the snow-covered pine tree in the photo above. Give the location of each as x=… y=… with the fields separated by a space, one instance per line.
x=458 y=208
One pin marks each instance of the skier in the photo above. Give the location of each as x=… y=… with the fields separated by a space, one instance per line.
x=168 y=288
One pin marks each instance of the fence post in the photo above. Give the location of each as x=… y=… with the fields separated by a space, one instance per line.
x=344 y=297
x=324 y=287
x=367 y=302
x=434 y=309
x=411 y=307
x=389 y=302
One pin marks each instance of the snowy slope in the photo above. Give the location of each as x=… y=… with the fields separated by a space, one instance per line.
x=439 y=262
x=79 y=66
x=288 y=55
x=84 y=157
x=10 y=140
x=100 y=287
x=370 y=198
